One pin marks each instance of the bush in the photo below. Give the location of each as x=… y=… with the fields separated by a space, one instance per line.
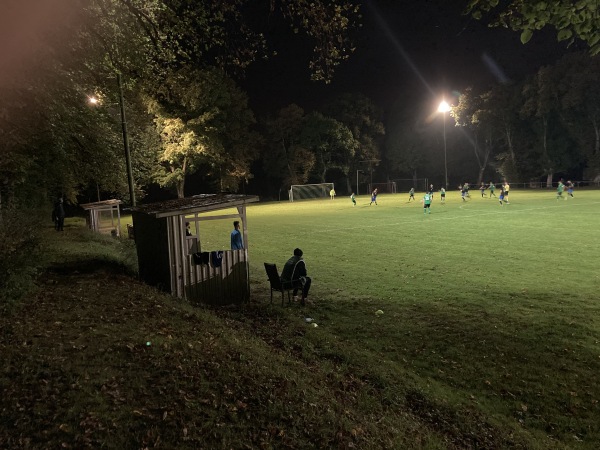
x=19 y=253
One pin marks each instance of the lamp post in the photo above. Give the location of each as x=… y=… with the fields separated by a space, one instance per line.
x=444 y=108
x=126 y=142
x=357 y=180
x=95 y=101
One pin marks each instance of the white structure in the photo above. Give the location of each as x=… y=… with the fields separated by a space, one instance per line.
x=105 y=216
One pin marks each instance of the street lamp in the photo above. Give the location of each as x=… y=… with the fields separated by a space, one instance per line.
x=95 y=101
x=444 y=108
x=357 y=180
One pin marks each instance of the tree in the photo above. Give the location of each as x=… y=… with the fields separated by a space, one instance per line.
x=225 y=34
x=469 y=114
x=331 y=142
x=500 y=107
x=364 y=120
x=285 y=157
x=541 y=103
x=572 y=20
x=579 y=92
x=201 y=116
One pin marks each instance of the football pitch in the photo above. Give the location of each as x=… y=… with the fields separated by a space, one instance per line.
x=487 y=309
x=486 y=306
x=475 y=252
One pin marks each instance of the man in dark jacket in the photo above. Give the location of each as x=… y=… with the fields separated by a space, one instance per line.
x=294 y=274
x=58 y=215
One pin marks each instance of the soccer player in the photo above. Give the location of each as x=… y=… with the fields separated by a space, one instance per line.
x=501 y=198
x=506 y=188
x=431 y=191
x=560 y=189
x=482 y=190
x=570 y=188
x=462 y=192
x=332 y=193
x=492 y=189
x=427 y=203
x=353 y=199
x=373 y=197
x=443 y=194
x=466 y=187
x=411 y=194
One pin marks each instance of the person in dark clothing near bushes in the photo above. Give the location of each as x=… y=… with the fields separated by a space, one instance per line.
x=58 y=215
x=294 y=272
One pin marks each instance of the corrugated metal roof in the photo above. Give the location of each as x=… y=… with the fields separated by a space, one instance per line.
x=101 y=204
x=194 y=204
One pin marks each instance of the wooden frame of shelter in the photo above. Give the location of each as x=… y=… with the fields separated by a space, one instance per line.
x=95 y=221
x=175 y=262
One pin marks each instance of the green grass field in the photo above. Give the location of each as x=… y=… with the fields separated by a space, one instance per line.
x=494 y=308
x=489 y=336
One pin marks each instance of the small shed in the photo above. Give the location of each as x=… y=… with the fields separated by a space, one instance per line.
x=104 y=217
x=177 y=263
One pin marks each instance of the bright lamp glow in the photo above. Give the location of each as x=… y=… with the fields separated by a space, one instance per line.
x=444 y=107
x=93 y=100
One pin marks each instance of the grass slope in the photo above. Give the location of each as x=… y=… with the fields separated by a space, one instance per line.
x=489 y=337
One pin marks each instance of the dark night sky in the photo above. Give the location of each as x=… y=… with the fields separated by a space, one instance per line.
x=415 y=51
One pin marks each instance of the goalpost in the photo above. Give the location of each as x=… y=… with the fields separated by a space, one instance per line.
x=305 y=191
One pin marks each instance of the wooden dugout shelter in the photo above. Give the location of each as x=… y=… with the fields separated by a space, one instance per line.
x=102 y=216
x=178 y=263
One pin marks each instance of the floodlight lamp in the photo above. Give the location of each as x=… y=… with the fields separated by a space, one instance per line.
x=93 y=100
x=444 y=107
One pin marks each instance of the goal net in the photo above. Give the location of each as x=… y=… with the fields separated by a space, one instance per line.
x=306 y=191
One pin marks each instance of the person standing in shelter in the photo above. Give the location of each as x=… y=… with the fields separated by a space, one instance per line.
x=236 y=237
x=492 y=189
x=411 y=194
x=188 y=232
x=506 y=188
x=373 y=197
x=332 y=193
x=58 y=215
x=353 y=199
x=294 y=274
x=427 y=203
x=443 y=195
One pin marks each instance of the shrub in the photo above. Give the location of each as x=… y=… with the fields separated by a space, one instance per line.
x=19 y=253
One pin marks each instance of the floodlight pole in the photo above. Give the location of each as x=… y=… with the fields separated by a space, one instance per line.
x=444 y=108
x=126 y=142
x=445 y=154
x=357 y=180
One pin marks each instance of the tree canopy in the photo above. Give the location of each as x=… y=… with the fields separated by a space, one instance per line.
x=572 y=20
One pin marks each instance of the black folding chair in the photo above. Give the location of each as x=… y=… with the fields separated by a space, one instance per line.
x=277 y=284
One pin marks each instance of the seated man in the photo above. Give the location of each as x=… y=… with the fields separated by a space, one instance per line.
x=294 y=273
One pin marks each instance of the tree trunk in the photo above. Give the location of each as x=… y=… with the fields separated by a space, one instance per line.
x=509 y=141
x=180 y=185
x=597 y=142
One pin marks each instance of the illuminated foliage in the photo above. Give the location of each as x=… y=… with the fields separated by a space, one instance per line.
x=572 y=19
